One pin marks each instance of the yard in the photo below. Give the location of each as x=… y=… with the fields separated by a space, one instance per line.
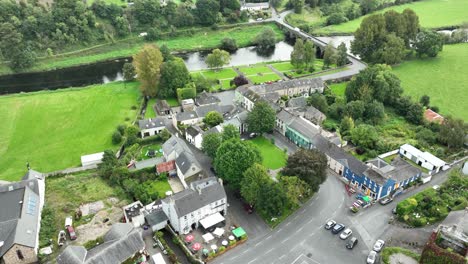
x=144 y=152
x=338 y=88
x=273 y=157
x=150 y=113
x=259 y=73
x=288 y=69
x=224 y=76
x=432 y=14
x=443 y=78
x=52 y=129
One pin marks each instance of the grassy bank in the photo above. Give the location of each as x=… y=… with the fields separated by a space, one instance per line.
x=432 y=14
x=443 y=78
x=52 y=129
x=204 y=39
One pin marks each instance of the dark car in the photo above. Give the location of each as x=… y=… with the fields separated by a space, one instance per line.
x=248 y=208
x=351 y=243
x=338 y=228
x=385 y=201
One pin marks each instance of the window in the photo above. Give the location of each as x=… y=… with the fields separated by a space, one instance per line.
x=20 y=254
x=185 y=217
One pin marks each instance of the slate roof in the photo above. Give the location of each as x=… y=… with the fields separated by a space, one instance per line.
x=190 y=200
x=399 y=170
x=156 y=217
x=187 y=115
x=285 y=116
x=20 y=207
x=151 y=123
x=205 y=98
x=162 y=105
x=121 y=242
x=193 y=130
x=315 y=83
x=148 y=163
x=304 y=127
x=183 y=154
x=314 y=113
x=300 y=101
x=184 y=161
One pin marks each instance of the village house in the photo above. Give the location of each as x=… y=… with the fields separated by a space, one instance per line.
x=188 y=104
x=205 y=98
x=162 y=107
x=423 y=159
x=151 y=126
x=185 y=118
x=194 y=136
x=204 y=203
x=255 y=6
x=21 y=206
x=121 y=243
x=432 y=116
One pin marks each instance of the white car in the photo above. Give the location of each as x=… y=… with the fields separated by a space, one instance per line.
x=371 y=257
x=330 y=224
x=379 y=245
x=346 y=233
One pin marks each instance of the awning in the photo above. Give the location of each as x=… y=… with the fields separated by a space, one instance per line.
x=211 y=220
x=208 y=237
x=238 y=232
x=218 y=232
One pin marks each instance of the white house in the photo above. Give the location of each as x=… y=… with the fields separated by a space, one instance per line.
x=423 y=159
x=205 y=198
x=151 y=126
x=194 y=135
x=188 y=118
x=255 y=6
x=465 y=168
x=133 y=213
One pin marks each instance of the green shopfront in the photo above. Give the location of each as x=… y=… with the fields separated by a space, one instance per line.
x=298 y=138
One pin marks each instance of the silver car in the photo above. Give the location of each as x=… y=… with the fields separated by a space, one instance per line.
x=379 y=244
x=345 y=234
x=371 y=258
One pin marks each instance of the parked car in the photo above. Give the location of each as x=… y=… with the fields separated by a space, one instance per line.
x=345 y=234
x=386 y=200
x=337 y=228
x=248 y=208
x=352 y=243
x=330 y=224
x=379 y=244
x=371 y=258
x=71 y=232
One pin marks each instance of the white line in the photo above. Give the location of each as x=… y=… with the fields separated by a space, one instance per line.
x=258 y=244
x=283 y=256
x=252 y=260
x=287 y=223
x=271 y=249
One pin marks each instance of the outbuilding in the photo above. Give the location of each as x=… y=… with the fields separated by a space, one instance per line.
x=91 y=159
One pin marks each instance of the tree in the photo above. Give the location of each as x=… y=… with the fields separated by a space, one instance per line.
x=207 y=11
x=232 y=5
x=213 y=118
x=425 y=100
x=375 y=112
x=233 y=158
x=452 y=132
x=342 y=56
x=116 y=138
x=412 y=25
x=266 y=39
x=261 y=119
x=355 y=109
x=369 y=38
x=109 y=162
x=309 y=55
x=131 y=132
x=346 y=125
x=166 y=53
x=272 y=199
x=368 y=6
x=240 y=80
x=428 y=43
x=217 y=58
x=336 y=18
x=297 y=5
x=308 y=165
x=14 y=48
x=318 y=101
x=174 y=74
x=393 y=50
x=128 y=71
x=395 y=23
x=229 y=44
x=414 y=114
x=254 y=178
x=364 y=136
x=211 y=143
x=297 y=55
x=276 y=3
x=329 y=56
x=230 y=132
x=295 y=189
x=147 y=64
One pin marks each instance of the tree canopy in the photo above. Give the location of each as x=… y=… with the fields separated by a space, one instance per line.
x=211 y=143
x=266 y=39
x=218 y=58
x=364 y=136
x=309 y=165
x=453 y=132
x=174 y=74
x=254 y=178
x=213 y=118
x=261 y=119
x=147 y=64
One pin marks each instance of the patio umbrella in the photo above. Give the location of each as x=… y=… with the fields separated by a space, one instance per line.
x=214 y=247
x=224 y=243
x=205 y=251
x=218 y=232
x=208 y=237
x=196 y=246
x=189 y=238
x=231 y=238
x=366 y=198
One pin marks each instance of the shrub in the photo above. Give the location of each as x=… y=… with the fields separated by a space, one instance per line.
x=92 y=243
x=121 y=129
x=116 y=138
x=222 y=248
x=228 y=44
x=232 y=242
x=240 y=80
x=48 y=230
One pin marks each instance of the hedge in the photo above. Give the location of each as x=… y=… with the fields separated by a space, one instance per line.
x=388 y=251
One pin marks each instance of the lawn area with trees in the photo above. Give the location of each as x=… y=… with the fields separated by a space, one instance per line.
x=52 y=129
x=443 y=78
x=273 y=157
x=432 y=14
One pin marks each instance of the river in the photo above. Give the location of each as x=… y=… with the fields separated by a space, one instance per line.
x=108 y=71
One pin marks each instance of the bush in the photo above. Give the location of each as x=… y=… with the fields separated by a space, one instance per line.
x=228 y=44
x=121 y=129
x=336 y=18
x=92 y=243
x=48 y=230
x=116 y=138
x=240 y=80
x=222 y=248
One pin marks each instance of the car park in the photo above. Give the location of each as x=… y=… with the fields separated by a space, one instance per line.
x=351 y=243
x=385 y=201
x=330 y=223
x=345 y=234
x=338 y=228
x=372 y=257
x=379 y=244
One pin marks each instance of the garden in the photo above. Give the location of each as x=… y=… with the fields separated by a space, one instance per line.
x=273 y=157
x=388 y=251
x=52 y=129
x=434 y=204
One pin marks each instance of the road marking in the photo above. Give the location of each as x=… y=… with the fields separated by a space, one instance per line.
x=258 y=243
x=283 y=256
x=287 y=223
x=271 y=249
x=252 y=260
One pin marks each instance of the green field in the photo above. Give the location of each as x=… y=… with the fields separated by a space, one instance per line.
x=203 y=39
x=52 y=129
x=432 y=14
x=273 y=157
x=150 y=113
x=338 y=88
x=444 y=79
x=224 y=76
x=259 y=73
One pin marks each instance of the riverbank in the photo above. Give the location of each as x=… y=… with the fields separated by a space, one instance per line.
x=203 y=39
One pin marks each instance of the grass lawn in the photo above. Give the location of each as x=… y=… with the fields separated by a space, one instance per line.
x=338 y=88
x=309 y=16
x=432 y=14
x=283 y=66
x=444 y=79
x=224 y=76
x=259 y=73
x=65 y=194
x=144 y=150
x=204 y=38
x=161 y=187
x=273 y=157
x=150 y=113
x=254 y=70
x=388 y=251
x=173 y=102
x=265 y=77
x=52 y=129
